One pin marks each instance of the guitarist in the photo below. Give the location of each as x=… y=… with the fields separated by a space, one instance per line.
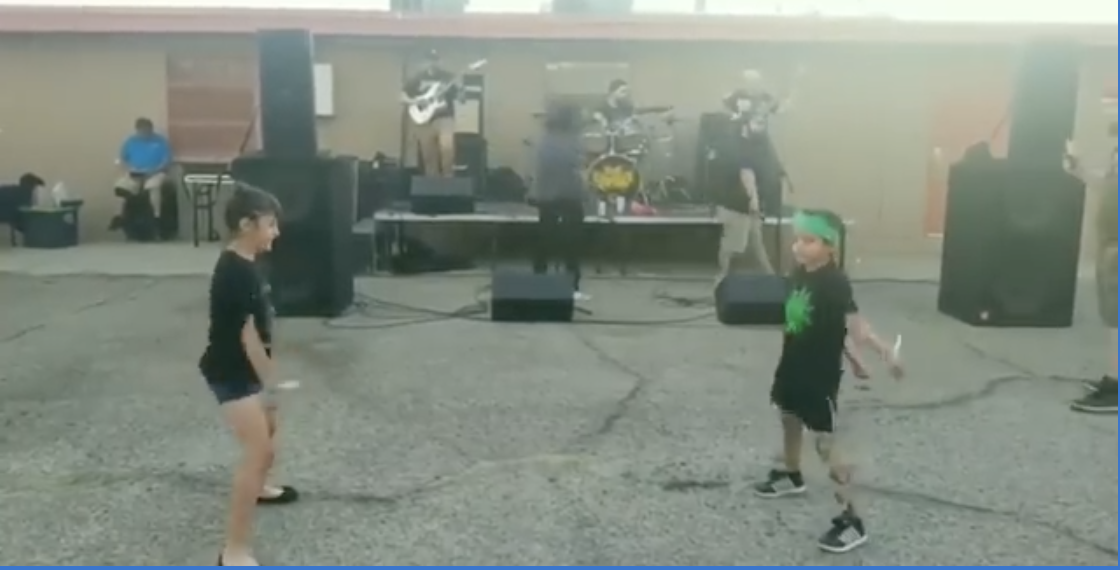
x=436 y=138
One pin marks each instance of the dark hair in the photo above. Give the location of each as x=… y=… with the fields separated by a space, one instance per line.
x=144 y=123
x=832 y=218
x=616 y=85
x=250 y=203
x=562 y=118
x=31 y=181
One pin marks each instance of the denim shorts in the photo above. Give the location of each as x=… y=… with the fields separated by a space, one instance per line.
x=228 y=390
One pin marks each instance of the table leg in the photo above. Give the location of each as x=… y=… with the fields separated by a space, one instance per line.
x=495 y=237
x=373 y=249
x=194 y=215
x=212 y=200
x=624 y=246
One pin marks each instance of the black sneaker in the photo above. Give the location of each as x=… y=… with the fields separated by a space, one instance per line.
x=847 y=534
x=780 y=484
x=1100 y=401
x=1095 y=385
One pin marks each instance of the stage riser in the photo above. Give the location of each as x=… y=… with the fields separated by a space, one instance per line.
x=606 y=244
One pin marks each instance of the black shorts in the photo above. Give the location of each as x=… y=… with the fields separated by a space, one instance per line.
x=233 y=388
x=812 y=402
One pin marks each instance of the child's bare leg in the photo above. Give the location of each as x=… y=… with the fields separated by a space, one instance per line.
x=786 y=480
x=839 y=469
x=847 y=531
x=270 y=491
x=249 y=422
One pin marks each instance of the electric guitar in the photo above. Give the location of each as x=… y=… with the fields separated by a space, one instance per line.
x=432 y=100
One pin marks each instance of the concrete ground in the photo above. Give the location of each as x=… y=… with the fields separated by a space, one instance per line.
x=426 y=440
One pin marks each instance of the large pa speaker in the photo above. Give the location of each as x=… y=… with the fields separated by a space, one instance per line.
x=287 y=93
x=531 y=297
x=1044 y=108
x=310 y=267
x=1011 y=244
x=751 y=299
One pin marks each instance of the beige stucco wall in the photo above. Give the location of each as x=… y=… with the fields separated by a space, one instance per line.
x=857 y=139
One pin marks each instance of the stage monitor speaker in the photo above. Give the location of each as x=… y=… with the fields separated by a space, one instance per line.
x=1044 y=108
x=287 y=93
x=530 y=297
x=751 y=299
x=310 y=267
x=1011 y=245
x=435 y=196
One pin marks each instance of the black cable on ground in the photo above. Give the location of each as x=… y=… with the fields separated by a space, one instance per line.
x=404 y=315
x=366 y=306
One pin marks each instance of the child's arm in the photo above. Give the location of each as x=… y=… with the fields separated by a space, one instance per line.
x=256 y=353
x=855 y=361
x=859 y=329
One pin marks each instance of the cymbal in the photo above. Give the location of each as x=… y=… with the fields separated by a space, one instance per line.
x=653 y=110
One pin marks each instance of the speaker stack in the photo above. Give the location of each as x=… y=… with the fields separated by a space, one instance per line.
x=309 y=267
x=1013 y=226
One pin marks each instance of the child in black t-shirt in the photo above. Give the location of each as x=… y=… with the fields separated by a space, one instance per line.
x=238 y=365
x=821 y=313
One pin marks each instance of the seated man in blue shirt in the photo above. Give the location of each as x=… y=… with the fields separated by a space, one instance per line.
x=145 y=157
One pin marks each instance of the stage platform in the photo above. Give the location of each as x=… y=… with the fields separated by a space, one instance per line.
x=494 y=227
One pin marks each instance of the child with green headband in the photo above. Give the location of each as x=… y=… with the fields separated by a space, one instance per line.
x=822 y=324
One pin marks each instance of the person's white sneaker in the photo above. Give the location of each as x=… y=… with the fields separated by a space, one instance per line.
x=581 y=297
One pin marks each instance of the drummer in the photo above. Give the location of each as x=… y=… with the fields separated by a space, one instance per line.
x=617 y=109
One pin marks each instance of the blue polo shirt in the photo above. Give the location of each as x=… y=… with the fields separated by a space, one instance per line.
x=145 y=154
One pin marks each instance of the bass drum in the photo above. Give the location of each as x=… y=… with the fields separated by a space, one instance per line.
x=614 y=175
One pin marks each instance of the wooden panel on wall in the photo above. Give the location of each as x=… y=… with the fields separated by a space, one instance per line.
x=211 y=106
x=970 y=105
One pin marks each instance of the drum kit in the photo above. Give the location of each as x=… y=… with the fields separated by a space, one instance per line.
x=619 y=165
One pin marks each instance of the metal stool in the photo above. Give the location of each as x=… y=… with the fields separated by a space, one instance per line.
x=203 y=192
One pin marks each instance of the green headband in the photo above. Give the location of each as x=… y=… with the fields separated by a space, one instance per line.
x=816 y=226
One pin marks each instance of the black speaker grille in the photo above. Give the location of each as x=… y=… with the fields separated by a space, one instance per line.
x=287 y=93
x=1012 y=244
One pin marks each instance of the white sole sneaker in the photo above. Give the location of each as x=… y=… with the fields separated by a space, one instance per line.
x=783 y=493
x=846 y=548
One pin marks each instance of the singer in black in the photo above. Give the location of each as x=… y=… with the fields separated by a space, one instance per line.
x=559 y=193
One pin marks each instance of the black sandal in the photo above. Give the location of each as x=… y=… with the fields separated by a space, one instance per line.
x=287 y=496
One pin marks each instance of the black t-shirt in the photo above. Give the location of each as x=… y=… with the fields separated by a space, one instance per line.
x=817 y=308
x=616 y=113
x=238 y=291
x=420 y=83
x=753 y=109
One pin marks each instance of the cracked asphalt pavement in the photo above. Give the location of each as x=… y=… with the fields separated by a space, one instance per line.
x=426 y=440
